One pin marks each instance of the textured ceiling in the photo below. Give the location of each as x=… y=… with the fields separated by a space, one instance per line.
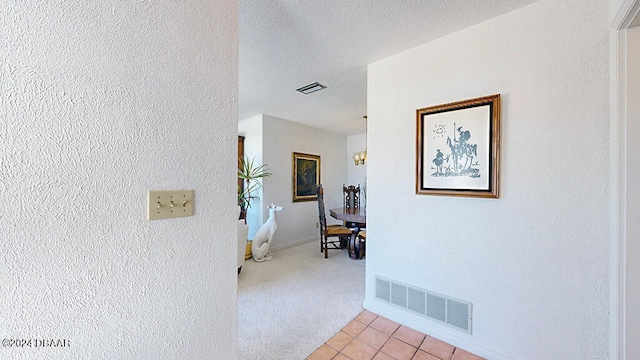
x=286 y=44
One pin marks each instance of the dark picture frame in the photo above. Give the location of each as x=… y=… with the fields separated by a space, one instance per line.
x=458 y=148
x=306 y=176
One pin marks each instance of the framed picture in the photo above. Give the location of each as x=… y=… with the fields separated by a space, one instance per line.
x=457 y=148
x=306 y=176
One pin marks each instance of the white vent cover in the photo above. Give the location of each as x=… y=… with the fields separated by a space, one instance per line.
x=447 y=310
x=311 y=88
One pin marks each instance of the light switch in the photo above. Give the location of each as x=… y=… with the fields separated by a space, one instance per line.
x=165 y=204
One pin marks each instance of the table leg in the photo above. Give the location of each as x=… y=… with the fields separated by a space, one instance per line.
x=354 y=245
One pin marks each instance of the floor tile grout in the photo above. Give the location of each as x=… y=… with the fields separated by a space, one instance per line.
x=318 y=355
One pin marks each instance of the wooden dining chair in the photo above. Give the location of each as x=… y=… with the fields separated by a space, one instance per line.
x=339 y=232
x=351 y=200
x=351 y=196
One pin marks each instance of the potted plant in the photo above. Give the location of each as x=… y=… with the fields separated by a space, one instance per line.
x=250 y=173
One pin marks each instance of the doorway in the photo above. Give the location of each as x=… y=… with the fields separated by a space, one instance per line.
x=633 y=193
x=625 y=175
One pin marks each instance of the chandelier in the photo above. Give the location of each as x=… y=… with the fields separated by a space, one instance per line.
x=360 y=157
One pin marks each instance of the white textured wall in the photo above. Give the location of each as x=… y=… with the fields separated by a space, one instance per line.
x=616 y=5
x=100 y=102
x=534 y=262
x=633 y=193
x=297 y=222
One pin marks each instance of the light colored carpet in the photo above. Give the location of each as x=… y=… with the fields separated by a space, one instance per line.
x=289 y=306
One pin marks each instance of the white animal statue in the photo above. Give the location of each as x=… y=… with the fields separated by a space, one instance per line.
x=262 y=239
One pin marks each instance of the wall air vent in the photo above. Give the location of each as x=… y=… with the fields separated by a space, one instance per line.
x=444 y=309
x=308 y=89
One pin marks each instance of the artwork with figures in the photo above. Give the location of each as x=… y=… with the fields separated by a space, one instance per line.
x=457 y=148
x=306 y=176
x=453 y=136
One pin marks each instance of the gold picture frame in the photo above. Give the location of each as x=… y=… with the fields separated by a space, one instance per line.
x=306 y=176
x=458 y=148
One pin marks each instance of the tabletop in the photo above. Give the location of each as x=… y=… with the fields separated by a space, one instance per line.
x=357 y=215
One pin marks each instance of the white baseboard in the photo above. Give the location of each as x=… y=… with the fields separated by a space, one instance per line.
x=294 y=243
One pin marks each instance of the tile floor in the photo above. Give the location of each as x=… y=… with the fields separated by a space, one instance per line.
x=373 y=337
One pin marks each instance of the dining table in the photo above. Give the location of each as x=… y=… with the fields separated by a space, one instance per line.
x=357 y=220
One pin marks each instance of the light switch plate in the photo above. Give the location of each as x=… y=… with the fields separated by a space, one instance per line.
x=165 y=204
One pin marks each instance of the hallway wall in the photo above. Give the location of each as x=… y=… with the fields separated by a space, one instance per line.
x=101 y=102
x=534 y=263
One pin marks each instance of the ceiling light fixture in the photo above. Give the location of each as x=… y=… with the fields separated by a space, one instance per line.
x=360 y=157
x=308 y=89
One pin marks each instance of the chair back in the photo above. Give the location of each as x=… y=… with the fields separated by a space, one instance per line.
x=322 y=219
x=351 y=198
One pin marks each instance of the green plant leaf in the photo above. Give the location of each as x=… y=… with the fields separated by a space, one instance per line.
x=250 y=173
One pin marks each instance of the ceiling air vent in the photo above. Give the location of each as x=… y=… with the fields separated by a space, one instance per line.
x=308 y=89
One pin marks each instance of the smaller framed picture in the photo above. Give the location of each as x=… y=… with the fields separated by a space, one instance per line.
x=306 y=176
x=458 y=148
